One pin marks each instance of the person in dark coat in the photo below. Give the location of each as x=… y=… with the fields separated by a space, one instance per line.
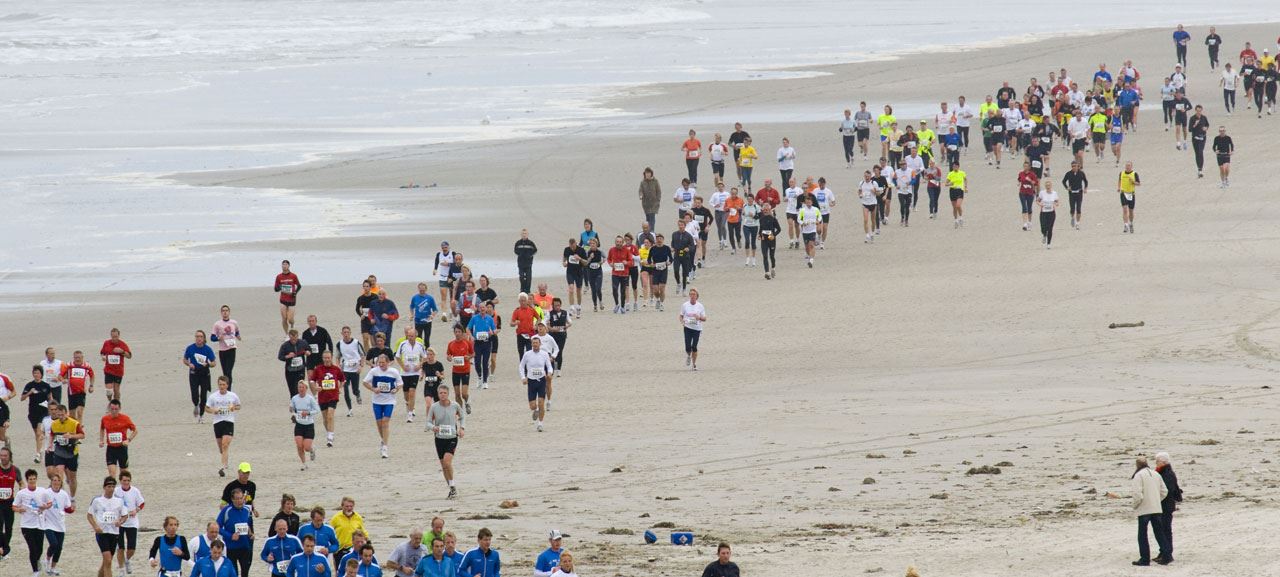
x=1169 y=504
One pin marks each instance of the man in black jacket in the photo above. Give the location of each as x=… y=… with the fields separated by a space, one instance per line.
x=525 y=249
x=1168 y=505
x=683 y=244
x=722 y=566
x=318 y=341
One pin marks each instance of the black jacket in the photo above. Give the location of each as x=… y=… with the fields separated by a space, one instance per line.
x=525 y=249
x=1174 y=497
x=322 y=343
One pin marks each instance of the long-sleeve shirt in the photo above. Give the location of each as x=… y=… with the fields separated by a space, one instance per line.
x=233 y=521
x=277 y=551
x=296 y=363
x=525 y=249
x=682 y=243
x=308 y=404
x=769 y=227
x=431 y=567
x=318 y=342
x=379 y=307
x=324 y=535
x=1075 y=181
x=482 y=563
x=535 y=364
x=303 y=565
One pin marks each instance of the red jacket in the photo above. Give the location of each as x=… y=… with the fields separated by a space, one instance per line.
x=768 y=195
x=620 y=255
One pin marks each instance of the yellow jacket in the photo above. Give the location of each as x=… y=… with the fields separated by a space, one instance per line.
x=344 y=526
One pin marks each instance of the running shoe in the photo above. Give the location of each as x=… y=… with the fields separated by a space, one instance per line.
x=348 y=412
x=484 y=384
x=409 y=419
x=328 y=443
x=468 y=406
x=453 y=493
x=222 y=472
x=688 y=359
x=313 y=452
x=384 y=452
x=539 y=426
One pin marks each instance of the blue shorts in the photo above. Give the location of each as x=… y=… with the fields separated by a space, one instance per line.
x=381 y=412
x=537 y=388
x=1117 y=137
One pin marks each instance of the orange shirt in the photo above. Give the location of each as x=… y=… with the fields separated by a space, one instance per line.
x=733 y=206
x=77 y=376
x=462 y=349
x=117 y=429
x=692 y=148
x=543 y=301
x=524 y=317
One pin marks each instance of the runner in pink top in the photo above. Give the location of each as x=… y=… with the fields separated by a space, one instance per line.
x=226 y=333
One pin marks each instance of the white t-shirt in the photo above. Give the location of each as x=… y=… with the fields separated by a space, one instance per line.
x=964 y=114
x=717 y=200
x=1178 y=80
x=824 y=196
x=685 y=197
x=867 y=192
x=446 y=262
x=549 y=344
x=903 y=178
x=385 y=384
x=351 y=354
x=914 y=163
x=132 y=500
x=692 y=313
x=1078 y=128
x=1047 y=198
x=55 y=517
x=792 y=194
x=718 y=151
x=411 y=354
x=1229 y=79
x=943 y=120
x=693 y=228
x=107 y=512
x=786 y=158
x=809 y=217
x=1076 y=98
x=220 y=404
x=51 y=371
x=32 y=500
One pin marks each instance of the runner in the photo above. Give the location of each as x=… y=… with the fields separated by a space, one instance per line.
x=1076 y=184
x=280 y=548
x=1028 y=185
x=10 y=482
x=964 y=118
x=996 y=126
x=1127 y=187
x=1228 y=83
x=133 y=504
x=52 y=372
x=215 y=565
x=549 y=559
x=749 y=228
x=318 y=341
x=692 y=315
x=169 y=550
x=558 y=323
x=719 y=152
x=620 y=266
x=595 y=274
x=348 y=525
x=65 y=435
x=543 y=302
x=647 y=241
x=31 y=501
x=288 y=514
x=573 y=259
x=325 y=537
x=363 y=301
x=704 y=219
x=383 y=381
x=747 y=157
x=115 y=432
x=733 y=219
x=433 y=375
x=114 y=352
x=862 y=120
x=106 y=514
x=481 y=328
x=1047 y=199
x=328 y=379
x=903 y=180
x=410 y=351
x=1181 y=110
x=933 y=184
x=235 y=525
x=825 y=199
x=1098 y=123
x=958 y=182
x=683 y=198
x=869 y=192
x=737 y=141
x=552 y=349
x=79 y=378
x=1223 y=147
x=36 y=394
x=786 y=160
x=54 y=521
x=443 y=264
x=293 y=353
x=288 y=285
x=226 y=332
x=466 y=304
x=351 y=357
x=460 y=352
x=809 y=218
x=848 y=135
x=384 y=313
x=535 y=366
x=1199 y=127
x=303 y=408
x=223 y=405
x=886 y=123
x=718 y=199
x=792 y=194
x=684 y=244
x=660 y=259
x=692 y=149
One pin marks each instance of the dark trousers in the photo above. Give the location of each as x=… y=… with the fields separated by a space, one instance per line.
x=6 y=529
x=1046 y=225
x=735 y=234
x=692 y=163
x=1213 y=57
x=1074 y=201
x=849 y=141
x=1166 y=527
x=717 y=168
x=683 y=263
x=1197 y=144
x=243 y=559
x=526 y=278
x=964 y=135
x=483 y=349
x=934 y=192
x=1144 y=547
x=424 y=332
x=652 y=219
x=786 y=177
x=522 y=345
x=594 y=279
x=35 y=546
x=559 y=338
x=55 y=539
x=619 y=290
x=227 y=359
x=1229 y=99
x=291 y=379
x=1181 y=51
x=1168 y=111
x=199 y=383
x=768 y=254
x=351 y=383
x=904 y=207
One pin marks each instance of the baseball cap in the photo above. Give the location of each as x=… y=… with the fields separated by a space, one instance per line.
x=555 y=534
x=444 y=243
x=244 y=467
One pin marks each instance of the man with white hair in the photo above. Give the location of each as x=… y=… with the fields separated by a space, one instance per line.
x=1168 y=505
x=1148 y=492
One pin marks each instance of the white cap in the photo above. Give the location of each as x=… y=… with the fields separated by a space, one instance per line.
x=555 y=534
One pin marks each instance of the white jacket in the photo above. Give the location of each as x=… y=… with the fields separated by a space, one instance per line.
x=1148 y=491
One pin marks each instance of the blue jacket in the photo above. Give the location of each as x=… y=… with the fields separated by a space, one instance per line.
x=303 y=565
x=476 y=562
x=204 y=568
x=429 y=567
x=379 y=307
x=280 y=550
x=324 y=536
x=228 y=518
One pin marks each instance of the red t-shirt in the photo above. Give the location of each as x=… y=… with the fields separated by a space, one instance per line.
x=462 y=348
x=620 y=255
x=768 y=195
x=7 y=383
x=8 y=482
x=288 y=285
x=115 y=362
x=77 y=376
x=117 y=429
x=1027 y=183
x=330 y=380
x=692 y=149
x=524 y=319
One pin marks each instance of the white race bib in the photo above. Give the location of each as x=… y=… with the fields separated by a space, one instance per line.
x=1128 y=196
x=115 y=438
x=113 y=359
x=282 y=566
x=78 y=373
x=173 y=574
x=350 y=365
x=446 y=429
x=6 y=493
x=997 y=129
x=733 y=212
x=694 y=153
x=660 y=266
x=109 y=518
x=384 y=387
x=594 y=265
x=411 y=359
x=328 y=385
x=619 y=266
x=459 y=361
x=229 y=342
x=482 y=335
x=242 y=528
x=691 y=322
x=201 y=359
x=573 y=259
x=295 y=362
x=537 y=372
x=314 y=348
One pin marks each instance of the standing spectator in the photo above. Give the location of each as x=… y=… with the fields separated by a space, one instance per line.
x=1169 y=504
x=525 y=249
x=650 y=198
x=1148 y=491
x=722 y=566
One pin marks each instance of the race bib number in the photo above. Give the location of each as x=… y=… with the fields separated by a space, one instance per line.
x=113 y=359
x=314 y=348
x=364 y=311
x=594 y=265
x=295 y=362
x=286 y=289
x=242 y=529
x=115 y=438
x=78 y=373
x=573 y=260
x=482 y=335
x=350 y=365
x=446 y=429
x=537 y=372
x=619 y=266
x=411 y=359
x=695 y=153
x=328 y=385
x=201 y=360
x=109 y=518
x=173 y=574
x=691 y=322
x=459 y=361
x=384 y=387
x=660 y=266
x=282 y=567
x=1128 y=196
x=229 y=342
x=733 y=212
x=6 y=493
x=952 y=147
x=997 y=129
x=1036 y=164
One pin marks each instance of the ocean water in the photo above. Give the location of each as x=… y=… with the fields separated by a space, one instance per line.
x=99 y=100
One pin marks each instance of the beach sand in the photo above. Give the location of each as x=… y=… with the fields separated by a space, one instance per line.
x=838 y=409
